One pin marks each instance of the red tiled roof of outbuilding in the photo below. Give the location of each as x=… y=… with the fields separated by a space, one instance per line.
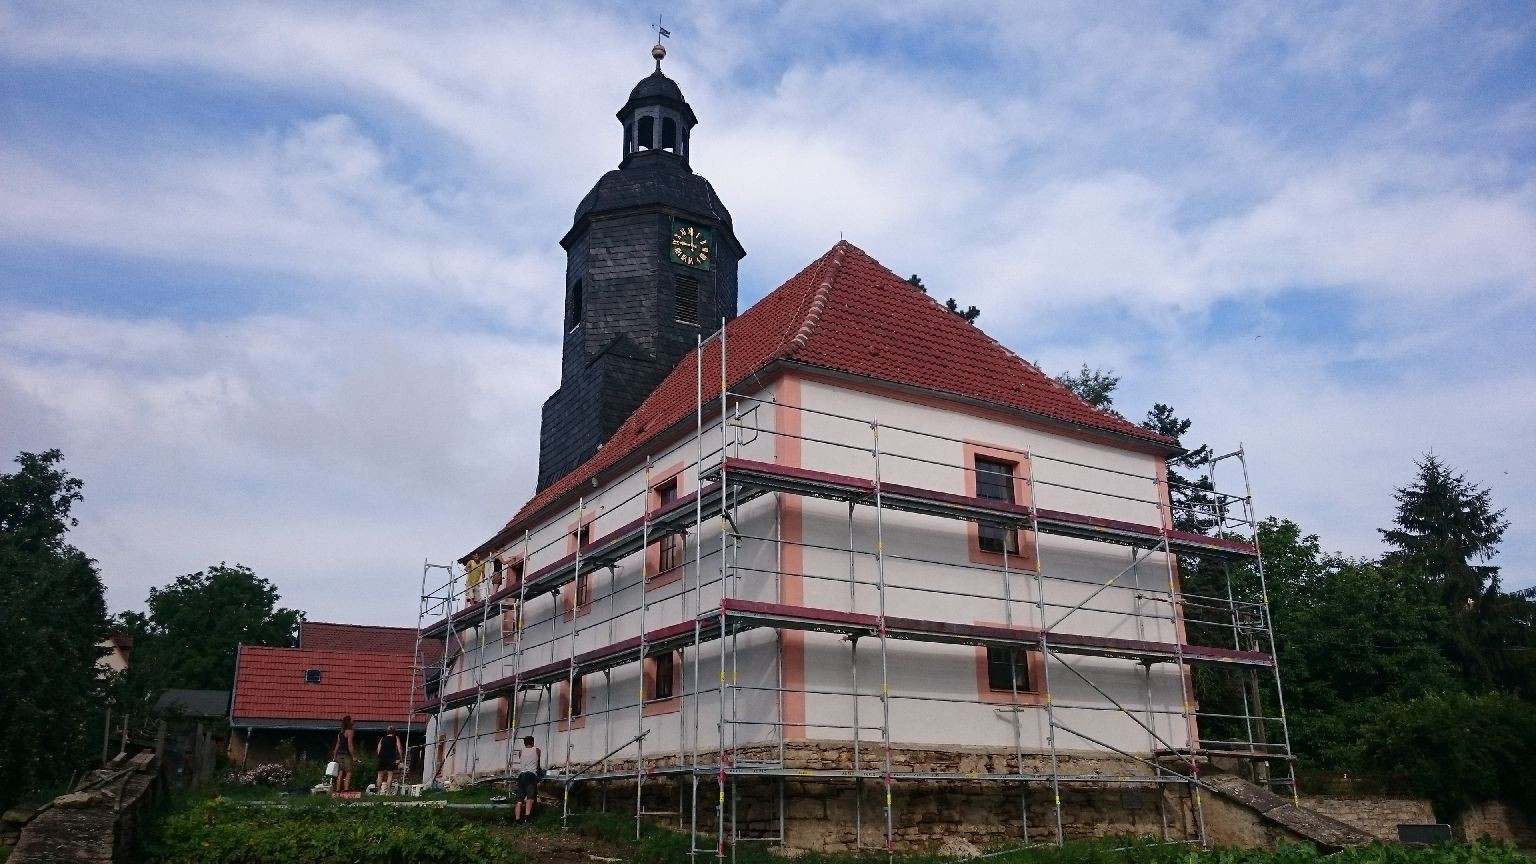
x=370 y=686
x=848 y=314
x=367 y=637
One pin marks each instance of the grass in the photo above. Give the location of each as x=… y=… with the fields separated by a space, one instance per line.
x=613 y=835
x=659 y=845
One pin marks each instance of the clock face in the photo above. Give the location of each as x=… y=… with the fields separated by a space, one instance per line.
x=690 y=245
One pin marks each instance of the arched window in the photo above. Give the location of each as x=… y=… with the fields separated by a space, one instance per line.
x=669 y=134
x=647 y=132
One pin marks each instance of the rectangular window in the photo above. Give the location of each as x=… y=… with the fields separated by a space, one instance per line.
x=665 y=667
x=687 y=300
x=1008 y=669
x=670 y=545
x=578 y=696
x=496 y=567
x=578 y=596
x=994 y=480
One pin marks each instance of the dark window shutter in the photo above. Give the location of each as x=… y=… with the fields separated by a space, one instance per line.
x=686 y=304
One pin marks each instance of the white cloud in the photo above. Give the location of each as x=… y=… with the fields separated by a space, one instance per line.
x=248 y=441
x=412 y=169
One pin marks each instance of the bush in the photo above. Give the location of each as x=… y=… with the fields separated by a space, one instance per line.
x=1458 y=750
x=271 y=775
x=322 y=832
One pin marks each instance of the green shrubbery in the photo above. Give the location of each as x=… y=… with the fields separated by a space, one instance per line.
x=322 y=832
x=1459 y=749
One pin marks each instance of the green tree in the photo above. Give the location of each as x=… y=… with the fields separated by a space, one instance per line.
x=1353 y=640
x=189 y=637
x=1094 y=386
x=53 y=615
x=1194 y=505
x=1444 y=532
x=1443 y=525
x=969 y=313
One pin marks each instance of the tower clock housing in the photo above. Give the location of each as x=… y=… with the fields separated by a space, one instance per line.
x=650 y=265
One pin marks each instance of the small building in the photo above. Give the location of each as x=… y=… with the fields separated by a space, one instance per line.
x=117 y=652
x=299 y=695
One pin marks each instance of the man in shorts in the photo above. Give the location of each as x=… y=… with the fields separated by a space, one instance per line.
x=529 y=763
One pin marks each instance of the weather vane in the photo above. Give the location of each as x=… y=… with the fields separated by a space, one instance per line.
x=659 y=51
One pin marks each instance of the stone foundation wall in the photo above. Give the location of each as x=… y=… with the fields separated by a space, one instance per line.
x=1377 y=816
x=1499 y=821
x=839 y=814
x=99 y=822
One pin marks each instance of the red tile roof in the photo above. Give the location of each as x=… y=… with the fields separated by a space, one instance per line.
x=366 y=637
x=846 y=313
x=371 y=686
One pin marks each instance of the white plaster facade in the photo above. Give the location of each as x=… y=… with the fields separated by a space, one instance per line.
x=793 y=550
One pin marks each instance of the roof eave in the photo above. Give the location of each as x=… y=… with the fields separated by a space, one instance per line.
x=517 y=526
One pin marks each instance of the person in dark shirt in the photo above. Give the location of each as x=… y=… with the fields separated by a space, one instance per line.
x=342 y=752
x=388 y=751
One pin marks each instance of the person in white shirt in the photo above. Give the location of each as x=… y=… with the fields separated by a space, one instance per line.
x=529 y=763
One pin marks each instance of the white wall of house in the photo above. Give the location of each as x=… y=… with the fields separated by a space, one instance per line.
x=928 y=571
x=613 y=711
x=925 y=555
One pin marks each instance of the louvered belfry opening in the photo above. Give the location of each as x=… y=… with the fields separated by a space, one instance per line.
x=686 y=301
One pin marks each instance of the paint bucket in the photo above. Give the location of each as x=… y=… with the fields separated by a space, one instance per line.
x=332 y=769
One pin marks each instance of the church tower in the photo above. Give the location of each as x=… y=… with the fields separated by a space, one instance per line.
x=650 y=265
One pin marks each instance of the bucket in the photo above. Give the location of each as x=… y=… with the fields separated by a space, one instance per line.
x=332 y=769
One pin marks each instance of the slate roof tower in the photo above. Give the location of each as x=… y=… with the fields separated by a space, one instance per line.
x=650 y=264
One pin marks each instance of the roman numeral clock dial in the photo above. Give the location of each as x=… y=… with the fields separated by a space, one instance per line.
x=691 y=245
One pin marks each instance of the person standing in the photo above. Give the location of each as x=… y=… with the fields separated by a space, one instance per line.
x=388 y=751
x=342 y=752
x=529 y=764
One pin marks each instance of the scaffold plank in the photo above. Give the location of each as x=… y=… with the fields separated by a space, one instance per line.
x=743 y=615
x=604 y=550
x=842 y=487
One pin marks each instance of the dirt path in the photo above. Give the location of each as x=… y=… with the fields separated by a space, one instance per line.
x=554 y=846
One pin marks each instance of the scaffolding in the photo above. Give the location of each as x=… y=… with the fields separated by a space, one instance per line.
x=540 y=667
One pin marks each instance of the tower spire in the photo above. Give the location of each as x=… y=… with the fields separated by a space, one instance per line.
x=659 y=51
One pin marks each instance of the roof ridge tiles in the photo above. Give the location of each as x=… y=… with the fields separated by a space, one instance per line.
x=818 y=302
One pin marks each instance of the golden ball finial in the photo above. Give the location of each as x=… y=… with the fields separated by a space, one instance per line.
x=658 y=52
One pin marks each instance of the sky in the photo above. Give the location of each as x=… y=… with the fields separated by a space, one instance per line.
x=283 y=280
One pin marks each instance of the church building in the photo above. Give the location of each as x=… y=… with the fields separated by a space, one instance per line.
x=844 y=573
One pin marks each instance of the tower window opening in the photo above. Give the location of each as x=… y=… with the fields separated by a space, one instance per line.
x=669 y=134
x=573 y=307
x=629 y=138
x=686 y=305
x=647 y=133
